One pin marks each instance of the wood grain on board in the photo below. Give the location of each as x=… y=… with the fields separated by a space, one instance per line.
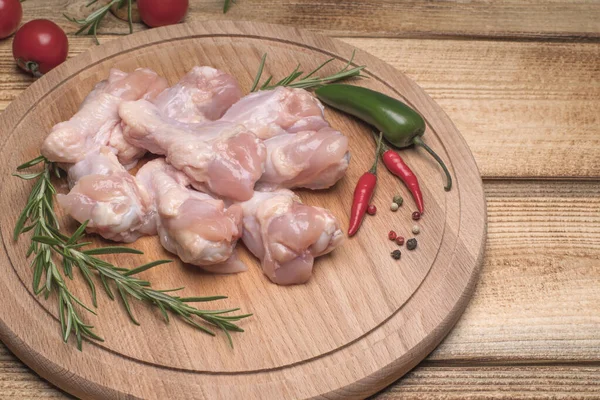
x=540 y=311
x=524 y=108
x=531 y=19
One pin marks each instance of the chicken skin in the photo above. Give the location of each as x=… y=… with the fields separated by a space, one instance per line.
x=287 y=235
x=303 y=151
x=109 y=198
x=274 y=112
x=97 y=122
x=310 y=159
x=203 y=94
x=223 y=158
x=193 y=225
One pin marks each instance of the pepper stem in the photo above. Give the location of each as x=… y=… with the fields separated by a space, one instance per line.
x=373 y=169
x=418 y=142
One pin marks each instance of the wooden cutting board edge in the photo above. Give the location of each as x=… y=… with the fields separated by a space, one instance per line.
x=366 y=385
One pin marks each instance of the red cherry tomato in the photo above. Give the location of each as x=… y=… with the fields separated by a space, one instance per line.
x=39 y=46
x=11 y=13
x=162 y=12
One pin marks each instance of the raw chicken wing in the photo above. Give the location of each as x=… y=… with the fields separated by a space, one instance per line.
x=302 y=150
x=221 y=157
x=191 y=224
x=313 y=160
x=96 y=124
x=274 y=112
x=203 y=94
x=287 y=235
x=109 y=198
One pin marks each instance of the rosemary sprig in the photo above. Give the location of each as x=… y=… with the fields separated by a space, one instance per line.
x=92 y=21
x=310 y=80
x=48 y=245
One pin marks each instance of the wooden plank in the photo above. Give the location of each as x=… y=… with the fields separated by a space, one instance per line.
x=503 y=382
x=537 y=298
x=524 y=108
x=546 y=19
x=536 y=303
x=427 y=381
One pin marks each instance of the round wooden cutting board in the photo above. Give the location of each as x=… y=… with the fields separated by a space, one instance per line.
x=361 y=322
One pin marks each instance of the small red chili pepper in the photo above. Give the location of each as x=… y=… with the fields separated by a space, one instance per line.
x=363 y=192
x=392 y=235
x=396 y=165
x=371 y=210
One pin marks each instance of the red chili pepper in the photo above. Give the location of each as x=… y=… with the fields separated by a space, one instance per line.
x=396 y=165
x=362 y=194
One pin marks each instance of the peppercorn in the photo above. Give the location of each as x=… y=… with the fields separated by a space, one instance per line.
x=400 y=240
x=396 y=254
x=394 y=206
x=416 y=229
x=416 y=215
x=411 y=244
x=371 y=210
x=398 y=200
x=392 y=235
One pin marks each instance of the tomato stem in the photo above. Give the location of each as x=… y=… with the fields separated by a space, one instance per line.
x=30 y=66
x=34 y=68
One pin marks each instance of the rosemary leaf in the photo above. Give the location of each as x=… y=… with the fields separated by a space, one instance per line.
x=78 y=233
x=163 y=312
x=27 y=177
x=175 y=290
x=31 y=163
x=259 y=73
x=310 y=80
x=145 y=267
x=266 y=84
x=112 y=250
x=79 y=245
x=126 y=303
x=201 y=299
x=314 y=71
x=46 y=240
x=107 y=288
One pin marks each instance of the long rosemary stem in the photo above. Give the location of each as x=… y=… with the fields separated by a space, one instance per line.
x=49 y=244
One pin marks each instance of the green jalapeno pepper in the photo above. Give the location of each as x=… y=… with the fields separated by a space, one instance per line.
x=401 y=125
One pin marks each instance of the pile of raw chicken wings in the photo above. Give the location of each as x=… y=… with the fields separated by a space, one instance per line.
x=221 y=169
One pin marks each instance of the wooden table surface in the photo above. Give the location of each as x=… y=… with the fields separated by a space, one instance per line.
x=521 y=81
